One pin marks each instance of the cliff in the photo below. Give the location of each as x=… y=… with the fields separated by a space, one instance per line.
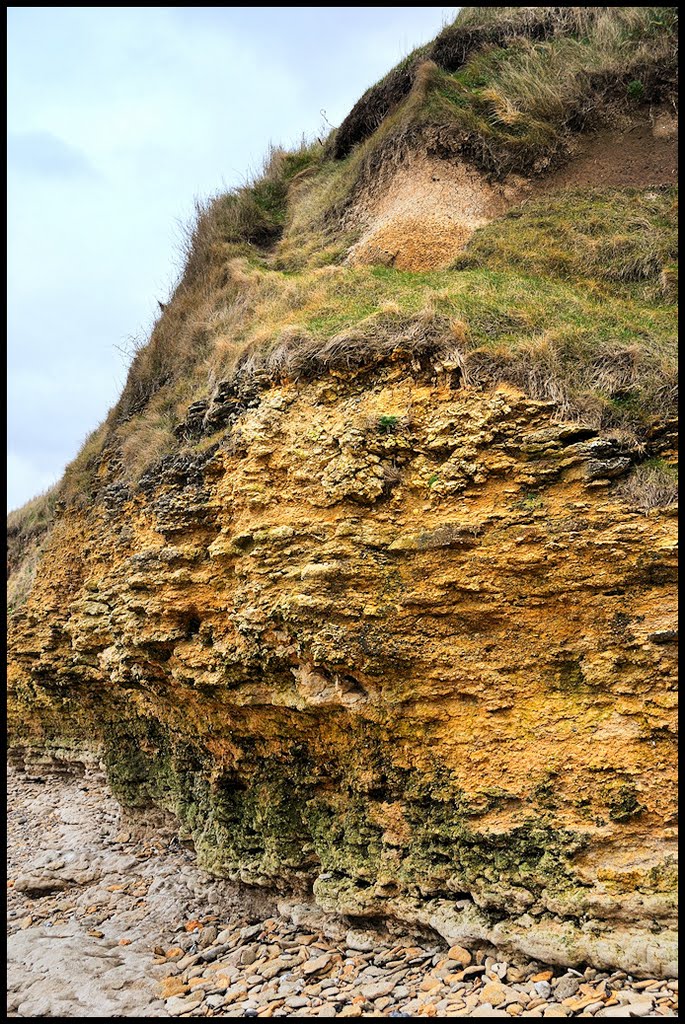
x=369 y=577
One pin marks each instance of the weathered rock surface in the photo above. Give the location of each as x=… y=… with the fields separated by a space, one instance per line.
x=80 y=941
x=393 y=639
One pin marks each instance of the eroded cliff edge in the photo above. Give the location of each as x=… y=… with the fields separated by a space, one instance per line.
x=411 y=702
x=383 y=627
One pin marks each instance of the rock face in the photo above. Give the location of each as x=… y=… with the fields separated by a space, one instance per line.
x=393 y=640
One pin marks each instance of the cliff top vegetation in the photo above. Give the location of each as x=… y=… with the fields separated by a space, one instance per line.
x=570 y=295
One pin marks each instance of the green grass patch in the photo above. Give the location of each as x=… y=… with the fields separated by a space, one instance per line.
x=613 y=236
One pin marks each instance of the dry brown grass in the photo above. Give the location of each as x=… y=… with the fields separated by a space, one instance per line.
x=602 y=383
x=253 y=215
x=224 y=227
x=654 y=484
x=376 y=339
x=27 y=530
x=28 y=524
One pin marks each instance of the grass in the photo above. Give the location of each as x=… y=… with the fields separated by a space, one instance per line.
x=27 y=530
x=514 y=106
x=654 y=484
x=600 y=235
x=29 y=523
x=252 y=215
x=562 y=297
x=570 y=297
x=504 y=88
x=601 y=348
x=507 y=86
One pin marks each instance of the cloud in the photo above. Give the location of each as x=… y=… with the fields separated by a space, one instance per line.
x=47 y=156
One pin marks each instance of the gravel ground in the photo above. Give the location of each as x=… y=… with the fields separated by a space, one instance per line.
x=113 y=918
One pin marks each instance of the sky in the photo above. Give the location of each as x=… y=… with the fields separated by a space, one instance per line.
x=118 y=117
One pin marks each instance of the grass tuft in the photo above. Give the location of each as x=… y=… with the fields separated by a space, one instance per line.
x=27 y=529
x=654 y=484
x=603 y=235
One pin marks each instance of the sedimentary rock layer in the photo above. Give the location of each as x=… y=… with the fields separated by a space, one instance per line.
x=391 y=640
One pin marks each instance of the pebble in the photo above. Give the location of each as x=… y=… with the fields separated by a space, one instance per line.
x=317 y=965
x=362 y=942
x=207 y=936
x=565 y=987
x=460 y=955
x=377 y=990
x=493 y=993
x=542 y=989
x=193 y=948
x=178 y=1005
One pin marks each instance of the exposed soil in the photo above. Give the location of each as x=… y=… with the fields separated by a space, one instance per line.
x=643 y=154
x=423 y=213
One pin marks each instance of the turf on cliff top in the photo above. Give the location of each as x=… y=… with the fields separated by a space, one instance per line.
x=369 y=575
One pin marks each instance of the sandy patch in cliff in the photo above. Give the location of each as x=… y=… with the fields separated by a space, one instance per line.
x=424 y=213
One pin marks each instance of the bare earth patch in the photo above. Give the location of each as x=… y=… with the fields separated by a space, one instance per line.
x=643 y=154
x=423 y=215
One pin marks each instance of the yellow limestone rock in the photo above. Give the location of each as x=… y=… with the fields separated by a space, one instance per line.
x=430 y=672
